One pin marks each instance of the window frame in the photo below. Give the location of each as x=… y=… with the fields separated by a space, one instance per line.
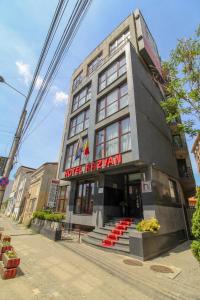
x=85 y=113
x=78 y=98
x=118 y=137
x=173 y=185
x=98 y=59
x=106 y=105
x=84 y=203
x=80 y=160
x=77 y=80
x=105 y=72
x=125 y=35
x=62 y=201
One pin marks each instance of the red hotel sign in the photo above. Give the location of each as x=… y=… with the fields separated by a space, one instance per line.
x=95 y=165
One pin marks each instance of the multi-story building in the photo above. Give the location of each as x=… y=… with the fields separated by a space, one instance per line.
x=21 y=195
x=196 y=150
x=130 y=168
x=19 y=189
x=38 y=191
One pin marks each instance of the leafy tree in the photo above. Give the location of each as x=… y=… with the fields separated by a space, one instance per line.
x=182 y=84
x=196 y=228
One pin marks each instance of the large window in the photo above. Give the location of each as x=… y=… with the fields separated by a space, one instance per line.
x=112 y=102
x=182 y=168
x=62 y=199
x=119 y=41
x=77 y=80
x=79 y=123
x=95 y=63
x=177 y=141
x=173 y=191
x=116 y=138
x=114 y=71
x=70 y=159
x=84 y=198
x=81 y=98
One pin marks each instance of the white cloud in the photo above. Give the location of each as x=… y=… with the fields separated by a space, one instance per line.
x=39 y=82
x=24 y=71
x=61 y=98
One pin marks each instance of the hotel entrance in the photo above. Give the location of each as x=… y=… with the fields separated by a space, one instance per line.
x=122 y=196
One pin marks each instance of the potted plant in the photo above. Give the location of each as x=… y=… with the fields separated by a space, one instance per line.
x=10 y=259
x=144 y=241
x=6 y=238
x=5 y=246
x=7 y=273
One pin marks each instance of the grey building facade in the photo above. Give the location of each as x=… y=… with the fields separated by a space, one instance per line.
x=131 y=169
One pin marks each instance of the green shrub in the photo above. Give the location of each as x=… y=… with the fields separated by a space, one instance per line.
x=151 y=225
x=48 y=215
x=195 y=246
x=196 y=218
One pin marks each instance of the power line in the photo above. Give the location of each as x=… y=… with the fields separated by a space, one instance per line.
x=64 y=44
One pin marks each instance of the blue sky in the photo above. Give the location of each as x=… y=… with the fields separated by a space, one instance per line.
x=23 y=27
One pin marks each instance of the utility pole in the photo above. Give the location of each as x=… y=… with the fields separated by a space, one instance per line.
x=16 y=140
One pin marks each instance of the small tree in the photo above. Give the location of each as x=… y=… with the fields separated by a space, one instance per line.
x=182 y=84
x=196 y=228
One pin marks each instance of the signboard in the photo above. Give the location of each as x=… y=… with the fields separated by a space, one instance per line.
x=146 y=186
x=53 y=193
x=100 y=190
x=146 y=43
x=94 y=166
x=3 y=161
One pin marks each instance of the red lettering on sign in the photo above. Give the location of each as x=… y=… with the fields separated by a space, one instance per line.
x=99 y=164
x=118 y=159
x=87 y=167
x=78 y=170
x=93 y=166
x=109 y=162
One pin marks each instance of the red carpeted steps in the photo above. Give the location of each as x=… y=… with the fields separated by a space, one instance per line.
x=115 y=233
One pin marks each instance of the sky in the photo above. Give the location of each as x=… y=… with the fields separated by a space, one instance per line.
x=23 y=27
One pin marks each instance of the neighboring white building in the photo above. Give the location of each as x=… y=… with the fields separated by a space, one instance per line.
x=20 y=186
x=20 y=196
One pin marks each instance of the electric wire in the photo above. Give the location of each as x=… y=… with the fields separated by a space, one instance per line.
x=52 y=66
x=63 y=45
x=67 y=37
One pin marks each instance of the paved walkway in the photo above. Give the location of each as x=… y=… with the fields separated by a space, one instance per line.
x=72 y=271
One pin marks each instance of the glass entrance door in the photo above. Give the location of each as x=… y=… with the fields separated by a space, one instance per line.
x=134 y=199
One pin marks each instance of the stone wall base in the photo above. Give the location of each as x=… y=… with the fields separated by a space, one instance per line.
x=146 y=245
x=45 y=228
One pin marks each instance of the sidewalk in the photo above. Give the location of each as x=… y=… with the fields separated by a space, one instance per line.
x=68 y=270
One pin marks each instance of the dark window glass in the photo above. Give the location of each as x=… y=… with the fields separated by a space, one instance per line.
x=177 y=141
x=77 y=80
x=173 y=191
x=95 y=63
x=119 y=41
x=113 y=139
x=81 y=98
x=112 y=102
x=182 y=168
x=70 y=159
x=84 y=198
x=114 y=71
x=79 y=123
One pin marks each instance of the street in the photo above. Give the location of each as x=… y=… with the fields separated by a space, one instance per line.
x=69 y=270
